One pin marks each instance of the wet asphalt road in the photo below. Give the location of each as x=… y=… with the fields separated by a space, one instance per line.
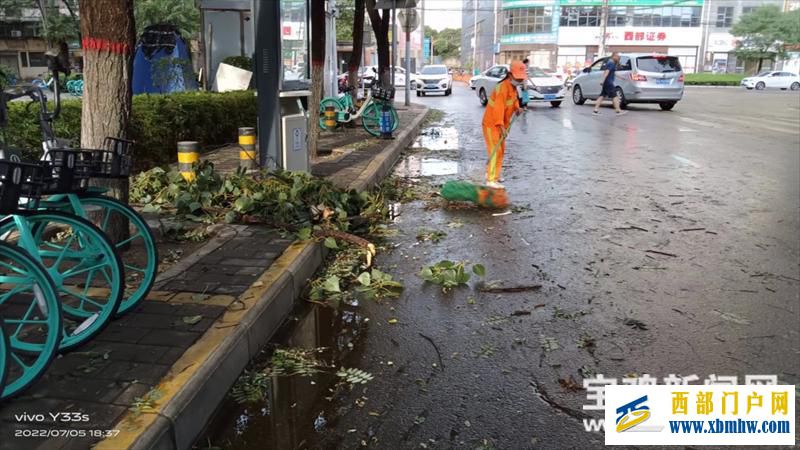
x=723 y=164
x=670 y=239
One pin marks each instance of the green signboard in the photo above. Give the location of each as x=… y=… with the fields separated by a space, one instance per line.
x=631 y=2
x=526 y=3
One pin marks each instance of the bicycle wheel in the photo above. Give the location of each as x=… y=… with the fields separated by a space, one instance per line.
x=138 y=250
x=330 y=101
x=31 y=319
x=371 y=119
x=87 y=271
x=3 y=354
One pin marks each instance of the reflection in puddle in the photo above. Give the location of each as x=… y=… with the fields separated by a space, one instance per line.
x=297 y=412
x=437 y=138
x=415 y=166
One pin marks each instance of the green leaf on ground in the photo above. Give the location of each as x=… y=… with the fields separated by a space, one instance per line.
x=331 y=243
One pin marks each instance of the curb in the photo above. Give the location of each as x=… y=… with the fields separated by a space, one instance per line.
x=191 y=392
x=697 y=86
x=381 y=165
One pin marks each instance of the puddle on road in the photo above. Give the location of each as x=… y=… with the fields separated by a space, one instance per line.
x=296 y=412
x=415 y=166
x=437 y=138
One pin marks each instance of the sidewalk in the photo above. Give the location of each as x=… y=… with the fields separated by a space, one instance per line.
x=153 y=378
x=348 y=156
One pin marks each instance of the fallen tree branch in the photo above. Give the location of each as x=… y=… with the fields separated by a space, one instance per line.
x=435 y=347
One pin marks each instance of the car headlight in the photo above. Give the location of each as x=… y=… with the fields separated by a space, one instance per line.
x=537 y=89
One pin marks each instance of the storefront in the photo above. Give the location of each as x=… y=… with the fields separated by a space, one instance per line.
x=633 y=26
x=529 y=29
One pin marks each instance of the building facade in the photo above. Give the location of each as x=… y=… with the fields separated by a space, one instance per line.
x=479 y=33
x=21 y=44
x=568 y=34
x=719 y=44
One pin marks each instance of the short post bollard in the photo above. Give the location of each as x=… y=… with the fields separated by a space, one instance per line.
x=188 y=154
x=330 y=117
x=247 y=152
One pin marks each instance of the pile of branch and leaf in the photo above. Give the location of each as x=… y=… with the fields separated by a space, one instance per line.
x=292 y=201
x=253 y=385
x=346 y=277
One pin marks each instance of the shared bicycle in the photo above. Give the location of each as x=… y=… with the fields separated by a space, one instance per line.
x=369 y=112
x=63 y=277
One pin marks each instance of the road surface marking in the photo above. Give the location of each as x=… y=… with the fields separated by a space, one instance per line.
x=685 y=161
x=567 y=124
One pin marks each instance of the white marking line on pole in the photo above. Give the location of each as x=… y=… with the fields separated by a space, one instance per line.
x=685 y=160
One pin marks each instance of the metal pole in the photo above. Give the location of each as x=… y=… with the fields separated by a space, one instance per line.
x=603 y=23
x=422 y=25
x=494 y=39
x=394 y=37
x=408 y=69
x=474 y=35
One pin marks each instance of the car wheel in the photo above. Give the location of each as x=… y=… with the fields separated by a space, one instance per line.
x=666 y=106
x=795 y=86
x=555 y=104
x=482 y=96
x=621 y=95
x=577 y=95
x=760 y=85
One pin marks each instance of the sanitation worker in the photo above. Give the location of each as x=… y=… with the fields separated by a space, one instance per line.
x=502 y=105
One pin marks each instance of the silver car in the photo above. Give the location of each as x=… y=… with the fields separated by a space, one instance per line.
x=640 y=78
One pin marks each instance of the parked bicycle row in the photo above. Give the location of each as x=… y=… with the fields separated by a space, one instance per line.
x=71 y=257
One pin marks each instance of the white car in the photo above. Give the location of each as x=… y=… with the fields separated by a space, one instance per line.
x=541 y=87
x=371 y=73
x=773 y=79
x=433 y=79
x=475 y=79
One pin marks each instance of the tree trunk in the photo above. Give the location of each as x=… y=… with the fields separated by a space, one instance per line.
x=358 y=45
x=317 y=73
x=760 y=62
x=108 y=36
x=380 y=25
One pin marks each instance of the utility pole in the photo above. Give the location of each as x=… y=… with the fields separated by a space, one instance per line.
x=394 y=38
x=601 y=51
x=330 y=86
x=422 y=24
x=494 y=39
x=474 y=36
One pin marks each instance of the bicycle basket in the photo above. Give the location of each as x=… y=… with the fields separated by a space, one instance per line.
x=66 y=171
x=114 y=160
x=17 y=180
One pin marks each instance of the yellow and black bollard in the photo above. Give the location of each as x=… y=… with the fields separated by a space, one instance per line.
x=330 y=117
x=247 y=152
x=188 y=154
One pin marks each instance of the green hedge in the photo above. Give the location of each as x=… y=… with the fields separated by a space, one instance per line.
x=714 y=79
x=158 y=122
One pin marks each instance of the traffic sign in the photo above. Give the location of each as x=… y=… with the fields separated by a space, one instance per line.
x=409 y=19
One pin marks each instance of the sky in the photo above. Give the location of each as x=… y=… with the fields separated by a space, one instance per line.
x=441 y=14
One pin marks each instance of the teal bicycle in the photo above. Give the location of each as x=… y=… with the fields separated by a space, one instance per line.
x=31 y=322
x=82 y=262
x=369 y=112
x=113 y=161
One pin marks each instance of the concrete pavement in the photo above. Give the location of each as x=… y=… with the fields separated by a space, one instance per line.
x=665 y=243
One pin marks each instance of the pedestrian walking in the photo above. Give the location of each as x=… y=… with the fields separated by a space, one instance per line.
x=502 y=105
x=609 y=86
x=524 y=96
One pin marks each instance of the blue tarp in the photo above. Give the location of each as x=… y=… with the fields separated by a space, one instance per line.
x=162 y=63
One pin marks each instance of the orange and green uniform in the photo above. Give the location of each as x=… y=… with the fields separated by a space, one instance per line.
x=503 y=103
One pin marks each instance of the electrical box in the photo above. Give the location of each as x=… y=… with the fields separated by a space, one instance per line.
x=294 y=131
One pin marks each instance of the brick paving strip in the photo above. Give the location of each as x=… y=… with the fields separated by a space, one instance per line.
x=206 y=317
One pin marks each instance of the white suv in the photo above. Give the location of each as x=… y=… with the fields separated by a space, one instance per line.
x=435 y=78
